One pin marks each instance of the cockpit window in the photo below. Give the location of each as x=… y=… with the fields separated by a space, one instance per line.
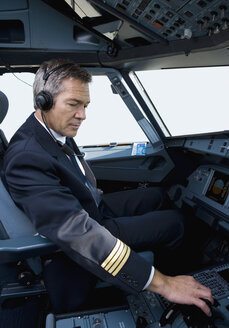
x=18 y=89
x=108 y=118
x=189 y=101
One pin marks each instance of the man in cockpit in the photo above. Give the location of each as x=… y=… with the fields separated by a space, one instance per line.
x=98 y=234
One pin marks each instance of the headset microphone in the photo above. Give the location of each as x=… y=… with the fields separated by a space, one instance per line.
x=66 y=149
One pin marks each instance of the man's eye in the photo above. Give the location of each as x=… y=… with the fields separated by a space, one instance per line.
x=72 y=105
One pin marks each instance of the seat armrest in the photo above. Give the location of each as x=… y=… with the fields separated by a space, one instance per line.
x=21 y=248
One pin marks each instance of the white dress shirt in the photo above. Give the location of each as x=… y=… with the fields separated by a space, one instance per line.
x=62 y=139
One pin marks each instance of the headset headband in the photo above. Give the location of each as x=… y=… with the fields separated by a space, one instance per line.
x=48 y=73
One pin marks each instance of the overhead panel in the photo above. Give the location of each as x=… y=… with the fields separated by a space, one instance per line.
x=176 y=19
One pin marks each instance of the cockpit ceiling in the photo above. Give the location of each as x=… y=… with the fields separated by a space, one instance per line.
x=128 y=34
x=144 y=22
x=167 y=20
x=163 y=28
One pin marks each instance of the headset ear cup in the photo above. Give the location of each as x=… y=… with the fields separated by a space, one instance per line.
x=44 y=100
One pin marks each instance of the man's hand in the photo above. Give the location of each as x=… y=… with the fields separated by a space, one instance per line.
x=182 y=290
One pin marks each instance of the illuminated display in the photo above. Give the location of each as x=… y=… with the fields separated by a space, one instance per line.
x=218 y=188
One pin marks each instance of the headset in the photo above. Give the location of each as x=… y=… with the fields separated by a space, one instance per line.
x=44 y=99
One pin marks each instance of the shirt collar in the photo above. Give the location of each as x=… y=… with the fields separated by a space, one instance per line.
x=58 y=136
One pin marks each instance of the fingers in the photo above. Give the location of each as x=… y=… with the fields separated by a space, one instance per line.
x=203 y=288
x=187 y=290
x=203 y=297
x=204 y=293
x=203 y=306
x=182 y=290
x=200 y=290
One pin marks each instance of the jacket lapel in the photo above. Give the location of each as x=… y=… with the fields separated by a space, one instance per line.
x=46 y=141
x=51 y=147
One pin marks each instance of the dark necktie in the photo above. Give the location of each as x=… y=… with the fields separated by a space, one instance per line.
x=74 y=161
x=83 y=178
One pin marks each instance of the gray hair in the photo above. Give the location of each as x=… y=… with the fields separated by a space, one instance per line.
x=54 y=82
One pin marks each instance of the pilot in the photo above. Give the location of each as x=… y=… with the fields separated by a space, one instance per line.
x=98 y=234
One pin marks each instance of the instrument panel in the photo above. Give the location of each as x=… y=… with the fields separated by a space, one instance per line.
x=207 y=193
x=149 y=310
x=174 y=20
x=218 y=188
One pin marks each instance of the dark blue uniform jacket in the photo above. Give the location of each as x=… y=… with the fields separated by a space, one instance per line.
x=43 y=183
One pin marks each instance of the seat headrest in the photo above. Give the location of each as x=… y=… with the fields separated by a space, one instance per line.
x=4 y=104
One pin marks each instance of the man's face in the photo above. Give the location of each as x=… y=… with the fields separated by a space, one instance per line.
x=69 y=110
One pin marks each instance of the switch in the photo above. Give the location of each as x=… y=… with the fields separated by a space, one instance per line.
x=187 y=33
x=210 y=31
x=223 y=10
x=216 y=30
x=169 y=14
x=158 y=24
x=225 y=24
x=188 y=13
x=214 y=15
x=200 y=23
x=157 y=6
x=206 y=20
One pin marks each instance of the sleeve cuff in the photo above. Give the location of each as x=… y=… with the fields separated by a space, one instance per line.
x=150 y=278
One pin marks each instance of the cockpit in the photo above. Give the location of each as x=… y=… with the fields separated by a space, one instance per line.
x=157 y=118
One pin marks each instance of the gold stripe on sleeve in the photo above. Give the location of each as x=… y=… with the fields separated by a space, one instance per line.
x=122 y=263
x=115 y=257
x=112 y=253
x=119 y=259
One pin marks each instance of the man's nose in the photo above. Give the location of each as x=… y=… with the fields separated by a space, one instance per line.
x=81 y=113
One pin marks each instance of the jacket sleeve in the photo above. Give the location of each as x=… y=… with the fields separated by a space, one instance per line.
x=35 y=185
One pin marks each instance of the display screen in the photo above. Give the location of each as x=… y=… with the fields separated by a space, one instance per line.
x=219 y=187
x=224 y=274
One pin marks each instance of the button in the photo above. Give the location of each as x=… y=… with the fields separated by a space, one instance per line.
x=124 y=275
